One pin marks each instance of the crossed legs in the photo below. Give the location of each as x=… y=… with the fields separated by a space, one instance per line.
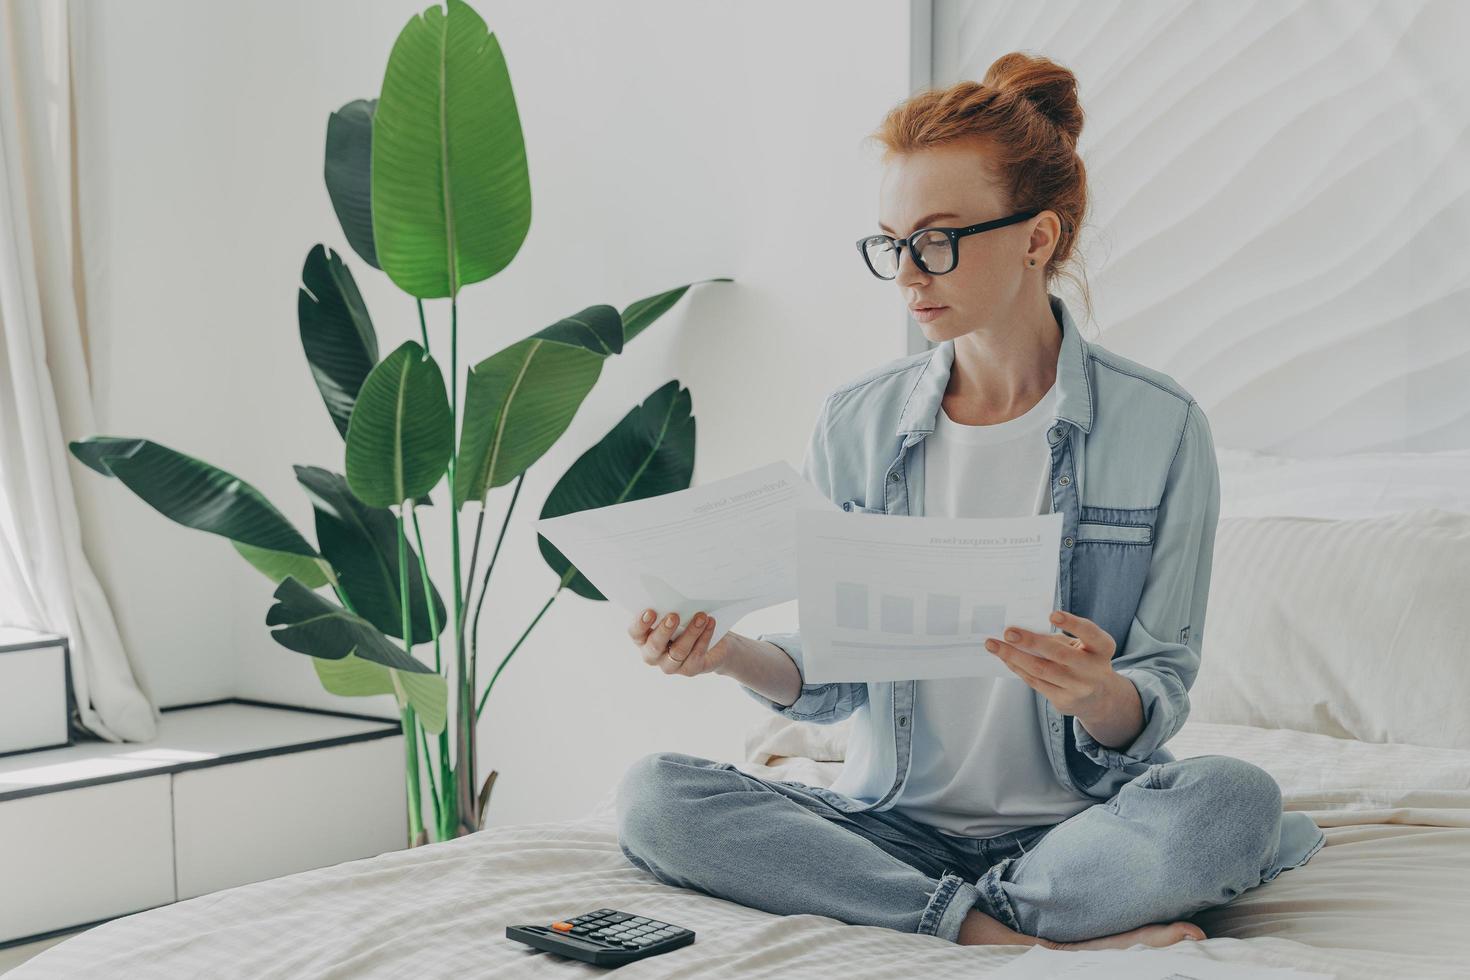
x=1181 y=837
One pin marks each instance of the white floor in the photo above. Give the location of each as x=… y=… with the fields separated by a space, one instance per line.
x=16 y=955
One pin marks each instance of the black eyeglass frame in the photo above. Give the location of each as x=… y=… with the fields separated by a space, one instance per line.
x=954 y=235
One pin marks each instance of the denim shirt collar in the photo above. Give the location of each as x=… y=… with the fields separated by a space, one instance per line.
x=1074 y=390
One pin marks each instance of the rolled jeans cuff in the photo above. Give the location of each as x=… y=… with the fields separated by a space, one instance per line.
x=947 y=908
x=992 y=898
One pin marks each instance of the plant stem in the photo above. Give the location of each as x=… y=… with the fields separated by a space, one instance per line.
x=464 y=776
x=411 y=765
x=406 y=718
x=480 y=604
x=428 y=586
x=444 y=797
x=513 y=651
x=410 y=720
x=474 y=560
x=434 y=791
x=434 y=784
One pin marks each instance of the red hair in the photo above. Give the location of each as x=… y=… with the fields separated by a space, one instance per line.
x=1025 y=114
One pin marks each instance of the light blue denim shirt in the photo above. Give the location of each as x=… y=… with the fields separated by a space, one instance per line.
x=1135 y=478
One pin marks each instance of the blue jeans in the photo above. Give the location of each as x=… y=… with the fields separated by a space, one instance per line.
x=1181 y=837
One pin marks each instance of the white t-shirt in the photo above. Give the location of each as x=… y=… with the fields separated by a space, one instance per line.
x=980 y=768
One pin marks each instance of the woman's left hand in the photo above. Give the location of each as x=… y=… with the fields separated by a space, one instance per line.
x=1074 y=672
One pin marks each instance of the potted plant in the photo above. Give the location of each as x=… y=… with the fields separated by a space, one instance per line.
x=430 y=184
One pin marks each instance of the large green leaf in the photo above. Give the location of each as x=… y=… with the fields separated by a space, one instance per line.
x=347 y=172
x=640 y=313
x=353 y=677
x=318 y=627
x=451 y=194
x=276 y=565
x=361 y=542
x=649 y=453
x=401 y=434
x=336 y=332
x=519 y=401
x=195 y=494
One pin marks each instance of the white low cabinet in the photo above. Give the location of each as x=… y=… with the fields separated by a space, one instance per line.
x=80 y=855
x=228 y=793
x=270 y=817
x=35 y=691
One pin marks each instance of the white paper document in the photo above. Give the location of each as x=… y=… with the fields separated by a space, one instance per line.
x=1042 y=963
x=895 y=597
x=727 y=548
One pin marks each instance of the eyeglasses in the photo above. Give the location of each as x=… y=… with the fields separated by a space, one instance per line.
x=935 y=250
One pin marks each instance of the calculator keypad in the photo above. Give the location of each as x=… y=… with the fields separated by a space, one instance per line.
x=619 y=929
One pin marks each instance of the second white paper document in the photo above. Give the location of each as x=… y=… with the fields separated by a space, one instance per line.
x=893 y=597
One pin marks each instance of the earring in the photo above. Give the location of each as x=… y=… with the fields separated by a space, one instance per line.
x=1033 y=261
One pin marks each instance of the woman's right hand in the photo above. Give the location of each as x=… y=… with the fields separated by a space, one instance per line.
x=689 y=654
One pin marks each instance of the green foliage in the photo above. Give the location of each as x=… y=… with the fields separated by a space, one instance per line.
x=650 y=452
x=429 y=183
x=204 y=497
x=316 y=626
x=451 y=194
x=336 y=332
x=361 y=543
x=402 y=434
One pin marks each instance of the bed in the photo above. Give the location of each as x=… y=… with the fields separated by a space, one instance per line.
x=1336 y=661
x=1387 y=896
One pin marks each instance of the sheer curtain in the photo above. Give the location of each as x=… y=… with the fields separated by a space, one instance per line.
x=46 y=581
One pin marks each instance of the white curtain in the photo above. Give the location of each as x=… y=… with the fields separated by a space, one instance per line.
x=46 y=581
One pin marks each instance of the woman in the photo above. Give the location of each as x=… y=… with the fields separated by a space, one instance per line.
x=1040 y=808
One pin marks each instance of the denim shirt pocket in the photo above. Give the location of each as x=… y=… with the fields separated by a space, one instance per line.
x=1110 y=561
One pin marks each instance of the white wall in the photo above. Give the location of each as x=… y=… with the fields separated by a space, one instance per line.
x=668 y=141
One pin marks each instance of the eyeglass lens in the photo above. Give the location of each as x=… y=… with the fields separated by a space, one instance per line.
x=934 y=248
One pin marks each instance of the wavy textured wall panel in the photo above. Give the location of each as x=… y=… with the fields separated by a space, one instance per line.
x=1280 y=214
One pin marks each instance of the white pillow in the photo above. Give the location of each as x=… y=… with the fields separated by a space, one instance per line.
x=1349 y=628
x=1254 y=484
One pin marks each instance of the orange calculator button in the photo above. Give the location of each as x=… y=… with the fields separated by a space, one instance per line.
x=562 y=926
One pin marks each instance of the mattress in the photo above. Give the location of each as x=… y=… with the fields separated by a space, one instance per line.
x=1387 y=896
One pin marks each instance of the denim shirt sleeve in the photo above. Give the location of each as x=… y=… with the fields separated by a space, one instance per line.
x=827 y=703
x=1161 y=654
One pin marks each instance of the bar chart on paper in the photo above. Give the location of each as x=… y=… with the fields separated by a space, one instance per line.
x=896 y=598
x=932 y=614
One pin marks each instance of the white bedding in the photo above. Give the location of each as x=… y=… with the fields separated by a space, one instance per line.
x=1388 y=896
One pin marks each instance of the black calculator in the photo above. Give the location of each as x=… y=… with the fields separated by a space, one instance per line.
x=606 y=937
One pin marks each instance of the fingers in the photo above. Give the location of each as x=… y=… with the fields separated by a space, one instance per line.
x=641 y=626
x=1014 y=656
x=659 y=636
x=1033 y=679
x=701 y=644
x=1091 y=634
x=680 y=650
x=653 y=637
x=1042 y=646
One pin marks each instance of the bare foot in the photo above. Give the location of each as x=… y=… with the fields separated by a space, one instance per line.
x=1154 y=934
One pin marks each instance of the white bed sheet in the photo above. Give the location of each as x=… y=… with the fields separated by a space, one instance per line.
x=1388 y=896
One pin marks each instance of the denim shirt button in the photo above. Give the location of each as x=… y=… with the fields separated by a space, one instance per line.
x=1056 y=726
x=1067 y=541
x=847 y=505
x=903 y=721
x=1064 y=481
x=893 y=477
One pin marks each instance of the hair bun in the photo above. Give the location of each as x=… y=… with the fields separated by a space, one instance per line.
x=1050 y=88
